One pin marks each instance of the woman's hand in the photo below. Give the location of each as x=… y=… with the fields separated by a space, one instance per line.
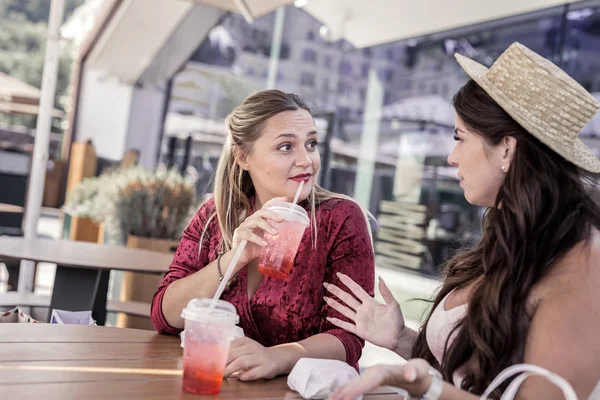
x=252 y=230
x=413 y=377
x=380 y=324
x=251 y=360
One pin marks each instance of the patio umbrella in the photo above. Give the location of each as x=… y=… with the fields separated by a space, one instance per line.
x=17 y=97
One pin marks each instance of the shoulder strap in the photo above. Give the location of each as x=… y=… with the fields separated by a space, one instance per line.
x=525 y=371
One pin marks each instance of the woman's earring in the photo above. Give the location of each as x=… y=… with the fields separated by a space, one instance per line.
x=503 y=168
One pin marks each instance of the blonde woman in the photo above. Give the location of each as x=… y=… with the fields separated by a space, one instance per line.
x=271 y=147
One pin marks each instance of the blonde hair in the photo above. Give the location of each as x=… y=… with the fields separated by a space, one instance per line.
x=233 y=185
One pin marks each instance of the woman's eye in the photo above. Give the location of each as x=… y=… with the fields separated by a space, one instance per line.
x=312 y=144
x=285 y=147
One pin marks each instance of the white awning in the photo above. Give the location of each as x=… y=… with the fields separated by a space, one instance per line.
x=366 y=23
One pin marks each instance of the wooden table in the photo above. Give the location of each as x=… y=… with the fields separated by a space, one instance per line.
x=43 y=361
x=82 y=273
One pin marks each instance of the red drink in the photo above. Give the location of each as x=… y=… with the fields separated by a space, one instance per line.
x=281 y=272
x=203 y=366
x=277 y=257
x=208 y=334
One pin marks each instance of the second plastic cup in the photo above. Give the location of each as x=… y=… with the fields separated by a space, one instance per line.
x=208 y=334
x=277 y=257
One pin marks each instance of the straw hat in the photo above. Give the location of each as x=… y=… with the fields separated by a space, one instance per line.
x=546 y=101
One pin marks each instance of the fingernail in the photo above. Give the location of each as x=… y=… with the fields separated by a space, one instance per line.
x=325 y=284
x=412 y=375
x=264 y=243
x=325 y=298
x=339 y=274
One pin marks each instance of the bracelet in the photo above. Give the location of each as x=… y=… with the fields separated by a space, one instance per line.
x=221 y=276
x=436 y=387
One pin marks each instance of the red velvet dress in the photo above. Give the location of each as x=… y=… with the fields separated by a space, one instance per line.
x=284 y=311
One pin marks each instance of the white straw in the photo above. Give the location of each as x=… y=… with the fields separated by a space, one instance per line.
x=298 y=192
x=227 y=276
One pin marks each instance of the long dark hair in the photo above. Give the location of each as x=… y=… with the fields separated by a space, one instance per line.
x=545 y=210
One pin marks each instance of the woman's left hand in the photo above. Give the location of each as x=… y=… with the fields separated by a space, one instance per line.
x=412 y=376
x=252 y=360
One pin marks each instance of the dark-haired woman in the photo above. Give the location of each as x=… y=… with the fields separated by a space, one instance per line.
x=529 y=290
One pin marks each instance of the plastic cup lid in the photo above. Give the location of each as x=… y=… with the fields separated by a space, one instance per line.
x=199 y=310
x=299 y=214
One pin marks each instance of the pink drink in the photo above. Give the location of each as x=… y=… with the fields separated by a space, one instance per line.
x=208 y=333
x=203 y=366
x=277 y=257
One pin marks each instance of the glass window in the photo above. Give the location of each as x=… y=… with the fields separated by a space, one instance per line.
x=346 y=68
x=364 y=70
x=392 y=137
x=309 y=56
x=307 y=79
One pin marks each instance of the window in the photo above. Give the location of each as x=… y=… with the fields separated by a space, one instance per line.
x=346 y=68
x=388 y=75
x=344 y=113
x=405 y=85
x=309 y=56
x=387 y=97
x=364 y=69
x=389 y=54
x=307 y=79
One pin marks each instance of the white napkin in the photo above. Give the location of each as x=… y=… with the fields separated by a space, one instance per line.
x=237 y=333
x=72 y=317
x=316 y=378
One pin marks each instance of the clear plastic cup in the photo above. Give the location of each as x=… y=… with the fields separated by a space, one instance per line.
x=208 y=335
x=277 y=257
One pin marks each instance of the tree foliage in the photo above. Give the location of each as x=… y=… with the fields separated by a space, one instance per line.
x=23 y=31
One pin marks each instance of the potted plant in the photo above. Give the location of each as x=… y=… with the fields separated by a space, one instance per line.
x=150 y=209
x=79 y=218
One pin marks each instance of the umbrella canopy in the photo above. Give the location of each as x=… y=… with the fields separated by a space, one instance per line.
x=17 y=97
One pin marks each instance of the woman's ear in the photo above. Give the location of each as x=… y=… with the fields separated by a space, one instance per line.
x=241 y=158
x=510 y=147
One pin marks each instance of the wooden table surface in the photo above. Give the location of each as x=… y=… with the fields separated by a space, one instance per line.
x=43 y=361
x=85 y=255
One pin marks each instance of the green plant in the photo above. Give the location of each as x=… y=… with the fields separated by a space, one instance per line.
x=80 y=201
x=155 y=204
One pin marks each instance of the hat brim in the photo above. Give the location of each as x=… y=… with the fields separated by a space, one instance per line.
x=577 y=153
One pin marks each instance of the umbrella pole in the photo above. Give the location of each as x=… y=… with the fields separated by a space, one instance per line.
x=35 y=190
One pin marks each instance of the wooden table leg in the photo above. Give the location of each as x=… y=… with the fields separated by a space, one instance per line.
x=80 y=289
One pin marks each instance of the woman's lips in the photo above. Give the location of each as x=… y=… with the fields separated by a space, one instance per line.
x=301 y=178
